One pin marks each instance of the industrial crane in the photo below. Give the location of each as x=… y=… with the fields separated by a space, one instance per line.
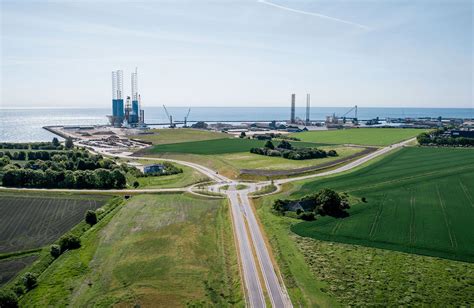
x=354 y=119
x=170 y=117
x=186 y=118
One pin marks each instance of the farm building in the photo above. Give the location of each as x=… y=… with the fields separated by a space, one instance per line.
x=153 y=168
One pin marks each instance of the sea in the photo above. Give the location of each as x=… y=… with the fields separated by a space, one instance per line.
x=25 y=125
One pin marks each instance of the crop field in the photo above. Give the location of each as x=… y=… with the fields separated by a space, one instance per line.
x=156 y=251
x=9 y=267
x=419 y=200
x=167 y=136
x=30 y=221
x=218 y=146
x=361 y=136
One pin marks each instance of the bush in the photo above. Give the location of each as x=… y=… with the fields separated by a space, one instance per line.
x=69 y=144
x=30 y=281
x=91 y=217
x=69 y=242
x=8 y=299
x=308 y=216
x=55 y=251
x=269 y=145
x=332 y=153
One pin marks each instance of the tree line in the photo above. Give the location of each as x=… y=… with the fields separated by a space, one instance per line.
x=53 y=145
x=65 y=169
x=286 y=150
x=436 y=137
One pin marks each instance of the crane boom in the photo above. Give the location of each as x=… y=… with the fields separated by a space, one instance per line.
x=166 y=110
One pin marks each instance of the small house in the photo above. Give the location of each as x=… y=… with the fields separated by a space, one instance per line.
x=153 y=168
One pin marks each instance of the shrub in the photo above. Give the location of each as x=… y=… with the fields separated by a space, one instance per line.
x=308 y=216
x=332 y=153
x=30 y=281
x=69 y=144
x=91 y=217
x=55 y=251
x=8 y=299
x=69 y=242
x=269 y=145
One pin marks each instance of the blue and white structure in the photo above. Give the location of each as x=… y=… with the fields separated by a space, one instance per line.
x=117 y=99
x=129 y=114
x=135 y=112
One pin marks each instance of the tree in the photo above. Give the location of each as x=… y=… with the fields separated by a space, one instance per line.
x=136 y=184
x=55 y=251
x=243 y=135
x=91 y=217
x=30 y=280
x=285 y=145
x=8 y=299
x=269 y=145
x=331 y=203
x=69 y=144
x=55 y=142
x=69 y=242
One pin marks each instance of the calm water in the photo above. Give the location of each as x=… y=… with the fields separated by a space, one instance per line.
x=21 y=125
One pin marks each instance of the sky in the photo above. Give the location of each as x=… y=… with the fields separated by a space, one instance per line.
x=389 y=53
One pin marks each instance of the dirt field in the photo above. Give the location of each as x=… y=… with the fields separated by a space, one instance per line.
x=9 y=268
x=32 y=221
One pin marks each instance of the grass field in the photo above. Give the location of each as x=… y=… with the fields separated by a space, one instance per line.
x=167 y=136
x=419 y=200
x=32 y=221
x=218 y=146
x=189 y=177
x=158 y=250
x=362 y=136
x=228 y=156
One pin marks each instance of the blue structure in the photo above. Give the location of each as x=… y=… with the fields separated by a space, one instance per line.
x=154 y=168
x=135 y=112
x=117 y=108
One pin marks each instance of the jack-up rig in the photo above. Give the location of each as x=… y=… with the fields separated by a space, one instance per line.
x=132 y=115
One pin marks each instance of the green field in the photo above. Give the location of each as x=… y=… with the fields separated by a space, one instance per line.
x=229 y=155
x=362 y=136
x=229 y=164
x=167 y=136
x=157 y=250
x=419 y=200
x=319 y=272
x=218 y=146
x=188 y=177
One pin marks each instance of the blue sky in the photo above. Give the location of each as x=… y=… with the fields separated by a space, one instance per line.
x=239 y=53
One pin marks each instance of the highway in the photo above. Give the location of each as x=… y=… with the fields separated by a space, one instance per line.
x=247 y=231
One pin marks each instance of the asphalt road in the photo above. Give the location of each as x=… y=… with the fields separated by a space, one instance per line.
x=253 y=288
x=275 y=288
